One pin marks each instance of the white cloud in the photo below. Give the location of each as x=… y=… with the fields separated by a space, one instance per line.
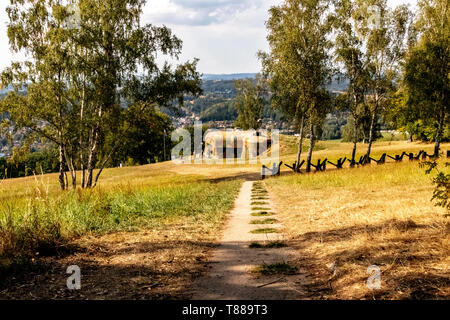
x=197 y=12
x=6 y=55
x=224 y=34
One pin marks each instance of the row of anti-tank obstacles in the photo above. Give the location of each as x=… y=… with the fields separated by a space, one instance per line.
x=363 y=160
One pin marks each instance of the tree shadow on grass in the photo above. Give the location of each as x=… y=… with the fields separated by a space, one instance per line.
x=343 y=234
x=407 y=266
x=146 y=270
x=143 y=270
x=247 y=176
x=166 y=269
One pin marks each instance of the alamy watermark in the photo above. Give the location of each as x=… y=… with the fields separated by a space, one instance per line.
x=74 y=280
x=73 y=21
x=374 y=21
x=226 y=146
x=374 y=280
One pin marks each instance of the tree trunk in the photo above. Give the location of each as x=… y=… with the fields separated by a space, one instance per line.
x=73 y=172
x=61 y=168
x=80 y=142
x=98 y=176
x=89 y=174
x=104 y=164
x=93 y=146
x=355 y=140
x=83 y=176
x=299 y=153
x=66 y=181
x=311 y=146
x=371 y=133
x=91 y=160
x=439 y=133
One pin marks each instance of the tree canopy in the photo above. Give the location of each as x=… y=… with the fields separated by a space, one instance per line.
x=249 y=102
x=298 y=63
x=427 y=69
x=89 y=62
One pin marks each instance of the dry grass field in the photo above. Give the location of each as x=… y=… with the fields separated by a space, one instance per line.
x=343 y=221
x=150 y=229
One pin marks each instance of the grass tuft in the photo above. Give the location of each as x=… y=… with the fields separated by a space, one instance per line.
x=276 y=268
x=264 y=230
x=260 y=209
x=258 y=203
x=258 y=189
x=259 y=192
x=262 y=214
x=265 y=221
x=259 y=198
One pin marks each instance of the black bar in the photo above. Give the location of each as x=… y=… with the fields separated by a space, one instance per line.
x=236 y=309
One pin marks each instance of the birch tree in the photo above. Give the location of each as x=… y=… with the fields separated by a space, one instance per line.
x=249 y=102
x=349 y=54
x=427 y=68
x=298 y=64
x=88 y=62
x=383 y=33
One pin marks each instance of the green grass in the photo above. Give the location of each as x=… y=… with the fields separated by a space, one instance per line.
x=262 y=214
x=259 y=198
x=43 y=223
x=260 y=209
x=258 y=203
x=276 y=268
x=268 y=245
x=265 y=221
x=264 y=230
x=255 y=195
x=258 y=187
x=386 y=136
x=259 y=191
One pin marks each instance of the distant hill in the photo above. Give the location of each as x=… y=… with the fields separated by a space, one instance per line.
x=234 y=76
x=339 y=82
x=216 y=103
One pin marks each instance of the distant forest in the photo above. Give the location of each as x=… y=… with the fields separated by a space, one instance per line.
x=217 y=102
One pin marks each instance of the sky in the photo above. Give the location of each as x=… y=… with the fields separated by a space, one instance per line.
x=224 y=34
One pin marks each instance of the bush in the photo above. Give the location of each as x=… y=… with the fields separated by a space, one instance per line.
x=441 y=180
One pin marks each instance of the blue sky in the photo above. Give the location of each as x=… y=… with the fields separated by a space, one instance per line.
x=224 y=34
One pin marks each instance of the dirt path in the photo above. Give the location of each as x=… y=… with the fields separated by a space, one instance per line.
x=230 y=273
x=163 y=263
